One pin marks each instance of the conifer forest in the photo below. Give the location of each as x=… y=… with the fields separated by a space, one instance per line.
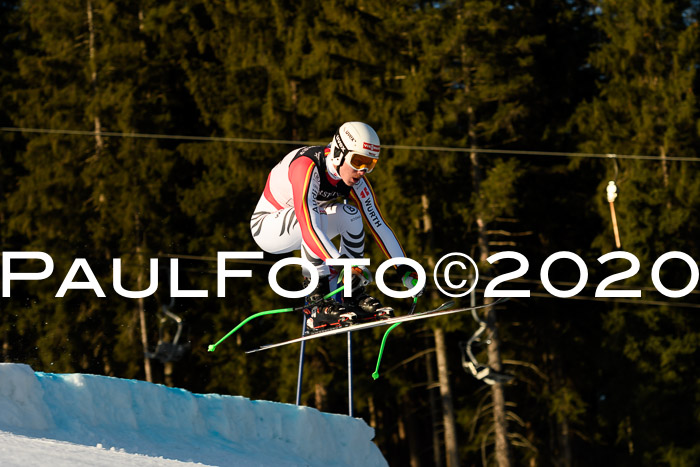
x=145 y=131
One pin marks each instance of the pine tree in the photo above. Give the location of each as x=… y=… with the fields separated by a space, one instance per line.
x=10 y=147
x=646 y=105
x=489 y=72
x=49 y=66
x=90 y=197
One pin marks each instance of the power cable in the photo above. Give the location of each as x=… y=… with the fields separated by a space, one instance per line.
x=386 y=146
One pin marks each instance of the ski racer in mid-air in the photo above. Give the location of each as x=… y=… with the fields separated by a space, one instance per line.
x=299 y=209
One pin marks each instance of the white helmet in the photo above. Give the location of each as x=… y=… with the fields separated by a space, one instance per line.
x=354 y=138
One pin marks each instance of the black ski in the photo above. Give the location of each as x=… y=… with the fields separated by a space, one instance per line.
x=439 y=311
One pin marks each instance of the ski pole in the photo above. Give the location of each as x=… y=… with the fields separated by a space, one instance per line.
x=375 y=375
x=212 y=347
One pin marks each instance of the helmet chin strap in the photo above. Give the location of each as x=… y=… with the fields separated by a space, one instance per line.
x=332 y=170
x=342 y=159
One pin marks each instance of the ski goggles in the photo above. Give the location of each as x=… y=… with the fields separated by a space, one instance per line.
x=361 y=161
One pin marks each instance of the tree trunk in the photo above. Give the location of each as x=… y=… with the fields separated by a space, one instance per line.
x=411 y=438
x=565 y=444
x=666 y=177
x=451 y=445
x=99 y=142
x=168 y=370
x=434 y=409
x=293 y=87
x=503 y=452
x=142 y=318
x=502 y=445
x=320 y=394
x=664 y=165
x=448 y=418
x=144 y=335
x=6 y=347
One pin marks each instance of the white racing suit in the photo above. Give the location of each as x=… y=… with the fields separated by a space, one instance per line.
x=298 y=210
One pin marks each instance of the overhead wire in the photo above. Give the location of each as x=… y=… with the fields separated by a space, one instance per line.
x=226 y=139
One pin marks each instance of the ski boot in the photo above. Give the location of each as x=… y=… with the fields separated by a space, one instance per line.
x=324 y=313
x=365 y=307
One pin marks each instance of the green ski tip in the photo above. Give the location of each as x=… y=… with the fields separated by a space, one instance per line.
x=375 y=375
x=212 y=348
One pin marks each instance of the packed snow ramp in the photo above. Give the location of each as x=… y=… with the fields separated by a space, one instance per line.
x=161 y=422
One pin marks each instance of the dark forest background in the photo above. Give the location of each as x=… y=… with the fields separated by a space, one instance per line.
x=145 y=130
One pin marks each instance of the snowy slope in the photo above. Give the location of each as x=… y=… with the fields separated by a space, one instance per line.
x=75 y=419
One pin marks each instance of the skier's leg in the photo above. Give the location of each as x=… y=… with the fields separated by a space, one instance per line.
x=344 y=220
x=278 y=232
x=274 y=231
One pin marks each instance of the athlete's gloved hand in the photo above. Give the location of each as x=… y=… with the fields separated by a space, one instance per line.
x=360 y=277
x=409 y=280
